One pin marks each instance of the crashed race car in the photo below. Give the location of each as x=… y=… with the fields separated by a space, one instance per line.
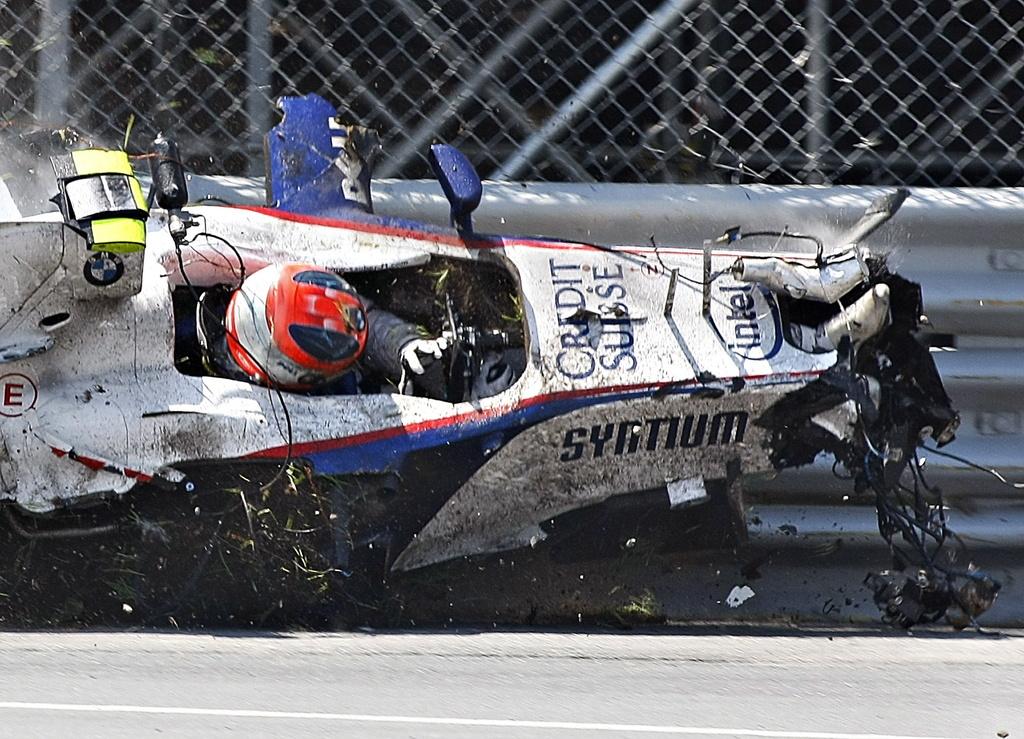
x=556 y=375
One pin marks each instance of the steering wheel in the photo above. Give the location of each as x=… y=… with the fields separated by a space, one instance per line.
x=461 y=353
x=467 y=343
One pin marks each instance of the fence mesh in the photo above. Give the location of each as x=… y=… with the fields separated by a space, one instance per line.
x=918 y=92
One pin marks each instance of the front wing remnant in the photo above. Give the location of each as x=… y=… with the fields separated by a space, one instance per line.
x=871 y=411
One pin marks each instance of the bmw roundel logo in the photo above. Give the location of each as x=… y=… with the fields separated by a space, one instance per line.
x=103 y=268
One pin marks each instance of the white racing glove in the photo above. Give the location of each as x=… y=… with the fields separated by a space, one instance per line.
x=428 y=348
x=495 y=376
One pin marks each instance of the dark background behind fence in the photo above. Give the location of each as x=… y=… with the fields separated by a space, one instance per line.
x=916 y=92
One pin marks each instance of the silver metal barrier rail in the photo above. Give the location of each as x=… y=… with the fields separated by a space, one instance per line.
x=964 y=246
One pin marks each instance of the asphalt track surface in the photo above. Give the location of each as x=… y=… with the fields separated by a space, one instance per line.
x=810 y=685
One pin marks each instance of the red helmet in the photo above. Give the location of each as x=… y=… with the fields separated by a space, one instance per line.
x=295 y=325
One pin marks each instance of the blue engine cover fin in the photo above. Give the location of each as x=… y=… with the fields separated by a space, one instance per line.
x=315 y=165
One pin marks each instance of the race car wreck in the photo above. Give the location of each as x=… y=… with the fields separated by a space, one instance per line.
x=572 y=376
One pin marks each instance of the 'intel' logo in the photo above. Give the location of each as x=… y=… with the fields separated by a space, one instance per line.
x=748 y=319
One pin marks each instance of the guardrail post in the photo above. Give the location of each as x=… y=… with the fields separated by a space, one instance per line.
x=259 y=77
x=817 y=89
x=52 y=80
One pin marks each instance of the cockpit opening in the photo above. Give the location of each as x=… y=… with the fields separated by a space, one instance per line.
x=449 y=330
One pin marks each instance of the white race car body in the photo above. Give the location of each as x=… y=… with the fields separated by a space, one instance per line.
x=610 y=401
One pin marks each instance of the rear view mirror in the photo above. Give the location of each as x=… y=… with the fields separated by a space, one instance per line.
x=459 y=181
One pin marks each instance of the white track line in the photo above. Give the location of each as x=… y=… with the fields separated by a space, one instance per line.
x=441 y=721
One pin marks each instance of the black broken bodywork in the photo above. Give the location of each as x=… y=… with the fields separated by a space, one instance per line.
x=899 y=402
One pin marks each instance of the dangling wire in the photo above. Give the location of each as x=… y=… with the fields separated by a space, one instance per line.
x=922 y=524
x=240 y=274
x=693 y=281
x=273 y=387
x=995 y=473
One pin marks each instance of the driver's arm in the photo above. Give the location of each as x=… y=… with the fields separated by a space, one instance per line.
x=394 y=345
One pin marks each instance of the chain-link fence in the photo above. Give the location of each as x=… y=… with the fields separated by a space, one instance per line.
x=921 y=92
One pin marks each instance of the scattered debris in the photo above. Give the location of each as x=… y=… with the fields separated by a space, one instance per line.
x=739 y=595
x=690 y=491
x=907 y=599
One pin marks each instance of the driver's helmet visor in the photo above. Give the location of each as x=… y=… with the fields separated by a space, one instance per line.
x=102 y=195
